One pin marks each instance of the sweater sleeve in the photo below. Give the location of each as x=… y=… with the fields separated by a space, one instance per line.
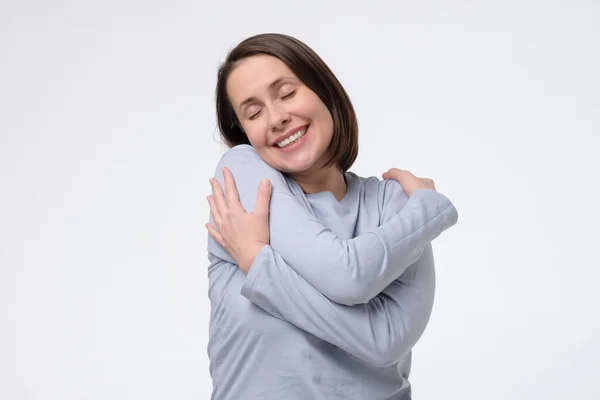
x=344 y=271
x=380 y=332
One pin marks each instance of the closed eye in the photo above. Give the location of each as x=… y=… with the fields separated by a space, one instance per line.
x=254 y=116
x=288 y=95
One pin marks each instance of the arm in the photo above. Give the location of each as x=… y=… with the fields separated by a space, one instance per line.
x=380 y=332
x=345 y=271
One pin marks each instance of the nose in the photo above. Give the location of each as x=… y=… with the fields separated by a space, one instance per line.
x=278 y=119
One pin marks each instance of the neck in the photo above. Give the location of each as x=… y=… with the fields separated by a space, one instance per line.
x=329 y=179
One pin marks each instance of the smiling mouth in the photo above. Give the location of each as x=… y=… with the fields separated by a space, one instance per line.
x=292 y=139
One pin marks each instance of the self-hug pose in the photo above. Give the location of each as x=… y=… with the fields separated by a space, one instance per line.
x=320 y=281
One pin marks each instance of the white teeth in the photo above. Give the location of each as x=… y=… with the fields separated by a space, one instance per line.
x=292 y=139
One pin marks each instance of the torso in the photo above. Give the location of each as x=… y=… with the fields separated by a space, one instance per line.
x=246 y=342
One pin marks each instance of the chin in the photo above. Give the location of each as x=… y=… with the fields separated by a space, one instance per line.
x=298 y=166
x=294 y=164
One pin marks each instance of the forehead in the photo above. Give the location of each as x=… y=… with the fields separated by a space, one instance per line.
x=253 y=75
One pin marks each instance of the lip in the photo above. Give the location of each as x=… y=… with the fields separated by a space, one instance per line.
x=289 y=133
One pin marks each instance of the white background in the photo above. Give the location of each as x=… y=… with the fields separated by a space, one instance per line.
x=108 y=138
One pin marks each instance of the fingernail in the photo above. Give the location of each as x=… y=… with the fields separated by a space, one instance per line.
x=264 y=182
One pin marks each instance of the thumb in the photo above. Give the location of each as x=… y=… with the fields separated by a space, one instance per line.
x=263 y=198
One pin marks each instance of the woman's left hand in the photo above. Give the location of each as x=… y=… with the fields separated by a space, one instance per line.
x=242 y=234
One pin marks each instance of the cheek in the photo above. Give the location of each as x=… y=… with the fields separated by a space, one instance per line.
x=326 y=121
x=255 y=135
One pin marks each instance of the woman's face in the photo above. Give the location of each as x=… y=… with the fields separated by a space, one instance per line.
x=287 y=123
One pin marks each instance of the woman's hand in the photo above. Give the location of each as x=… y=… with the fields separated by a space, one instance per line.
x=242 y=234
x=408 y=181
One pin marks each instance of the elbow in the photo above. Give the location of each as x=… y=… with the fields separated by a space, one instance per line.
x=389 y=355
x=393 y=346
x=342 y=297
x=359 y=293
x=355 y=299
x=350 y=293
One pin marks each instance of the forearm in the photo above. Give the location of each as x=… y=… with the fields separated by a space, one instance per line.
x=354 y=271
x=404 y=238
x=380 y=332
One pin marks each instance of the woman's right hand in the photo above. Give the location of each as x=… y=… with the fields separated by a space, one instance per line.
x=243 y=234
x=408 y=181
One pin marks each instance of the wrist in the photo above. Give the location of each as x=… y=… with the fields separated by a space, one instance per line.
x=246 y=264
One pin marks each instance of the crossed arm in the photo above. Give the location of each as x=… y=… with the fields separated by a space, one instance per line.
x=345 y=271
x=379 y=332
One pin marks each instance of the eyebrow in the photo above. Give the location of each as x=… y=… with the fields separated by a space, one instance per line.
x=273 y=84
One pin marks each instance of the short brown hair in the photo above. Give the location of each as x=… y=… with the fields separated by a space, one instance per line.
x=313 y=72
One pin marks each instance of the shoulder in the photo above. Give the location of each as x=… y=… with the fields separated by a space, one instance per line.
x=387 y=195
x=245 y=162
x=242 y=153
x=387 y=191
x=368 y=187
x=393 y=198
x=248 y=169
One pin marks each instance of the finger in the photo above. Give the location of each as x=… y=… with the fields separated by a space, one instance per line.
x=427 y=181
x=263 y=198
x=214 y=211
x=216 y=235
x=231 y=194
x=398 y=174
x=218 y=196
x=390 y=172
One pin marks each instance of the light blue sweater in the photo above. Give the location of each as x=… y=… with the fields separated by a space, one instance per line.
x=333 y=306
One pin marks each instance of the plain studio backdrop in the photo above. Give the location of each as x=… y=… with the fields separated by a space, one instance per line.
x=108 y=137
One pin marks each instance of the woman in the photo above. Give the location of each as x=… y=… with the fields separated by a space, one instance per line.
x=322 y=290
